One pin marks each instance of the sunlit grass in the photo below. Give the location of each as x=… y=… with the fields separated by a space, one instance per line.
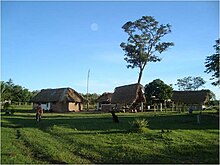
x=94 y=138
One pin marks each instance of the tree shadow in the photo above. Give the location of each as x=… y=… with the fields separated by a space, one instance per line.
x=97 y=123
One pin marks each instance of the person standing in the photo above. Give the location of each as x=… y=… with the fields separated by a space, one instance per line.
x=39 y=112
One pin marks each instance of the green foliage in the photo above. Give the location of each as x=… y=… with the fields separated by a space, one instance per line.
x=212 y=64
x=190 y=83
x=157 y=89
x=92 y=97
x=139 y=125
x=15 y=93
x=143 y=42
x=6 y=105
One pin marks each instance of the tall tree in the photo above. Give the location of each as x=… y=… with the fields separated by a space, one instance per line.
x=212 y=64
x=6 y=90
x=159 y=90
x=17 y=93
x=190 y=83
x=143 y=42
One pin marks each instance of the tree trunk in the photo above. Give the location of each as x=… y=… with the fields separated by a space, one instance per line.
x=140 y=75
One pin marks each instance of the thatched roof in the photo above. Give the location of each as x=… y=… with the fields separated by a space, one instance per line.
x=58 y=95
x=105 y=97
x=191 y=97
x=128 y=94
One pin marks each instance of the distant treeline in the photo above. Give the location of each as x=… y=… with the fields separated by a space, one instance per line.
x=15 y=93
x=157 y=88
x=19 y=95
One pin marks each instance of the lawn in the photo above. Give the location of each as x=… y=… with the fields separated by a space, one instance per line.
x=76 y=138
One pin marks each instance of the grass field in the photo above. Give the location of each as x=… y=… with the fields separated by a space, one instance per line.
x=93 y=138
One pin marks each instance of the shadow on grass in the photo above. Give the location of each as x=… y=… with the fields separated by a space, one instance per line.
x=104 y=123
x=126 y=153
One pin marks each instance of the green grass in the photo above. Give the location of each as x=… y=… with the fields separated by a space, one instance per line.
x=75 y=138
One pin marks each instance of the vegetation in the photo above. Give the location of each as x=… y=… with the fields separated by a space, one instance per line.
x=157 y=89
x=92 y=97
x=93 y=138
x=190 y=83
x=15 y=93
x=143 y=42
x=139 y=125
x=212 y=64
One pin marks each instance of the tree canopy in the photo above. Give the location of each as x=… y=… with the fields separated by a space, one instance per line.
x=14 y=93
x=143 y=43
x=157 y=89
x=212 y=64
x=190 y=83
x=92 y=97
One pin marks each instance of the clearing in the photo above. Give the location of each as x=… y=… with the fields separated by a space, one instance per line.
x=76 y=138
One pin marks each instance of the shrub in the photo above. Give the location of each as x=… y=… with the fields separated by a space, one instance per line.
x=12 y=111
x=139 y=125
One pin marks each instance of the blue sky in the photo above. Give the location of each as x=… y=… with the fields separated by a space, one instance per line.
x=54 y=44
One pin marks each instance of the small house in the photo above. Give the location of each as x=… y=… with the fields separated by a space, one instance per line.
x=104 y=102
x=194 y=100
x=59 y=100
x=129 y=97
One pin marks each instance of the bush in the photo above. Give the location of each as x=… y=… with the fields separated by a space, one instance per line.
x=12 y=111
x=139 y=125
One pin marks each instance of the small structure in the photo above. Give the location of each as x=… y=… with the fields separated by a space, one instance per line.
x=129 y=98
x=59 y=100
x=194 y=100
x=104 y=102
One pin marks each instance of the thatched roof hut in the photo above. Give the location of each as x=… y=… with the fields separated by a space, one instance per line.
x=128 y=94
x=60 y=100
x=105 y=98
x=191 y=97
x=104 y=102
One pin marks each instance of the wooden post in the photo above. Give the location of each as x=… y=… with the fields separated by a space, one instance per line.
x=165 y=106
x=88 y=91
x=142 y=107
x=161 y=107
x=172 y=106
x=154 y=108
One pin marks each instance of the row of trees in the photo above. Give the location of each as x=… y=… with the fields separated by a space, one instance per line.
x=155 y=90
x=15 y=93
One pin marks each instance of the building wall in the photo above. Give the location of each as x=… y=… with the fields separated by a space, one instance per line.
x=64 y=106
x=106 y=107
x=195 y=107
x=58 y=107
x=75 y=107
x=186 y=107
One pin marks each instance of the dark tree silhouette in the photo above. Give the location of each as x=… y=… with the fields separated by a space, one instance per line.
x=212 y=64
x=158 y=89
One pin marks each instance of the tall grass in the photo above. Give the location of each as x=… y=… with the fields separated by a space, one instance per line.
x=139 y=125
